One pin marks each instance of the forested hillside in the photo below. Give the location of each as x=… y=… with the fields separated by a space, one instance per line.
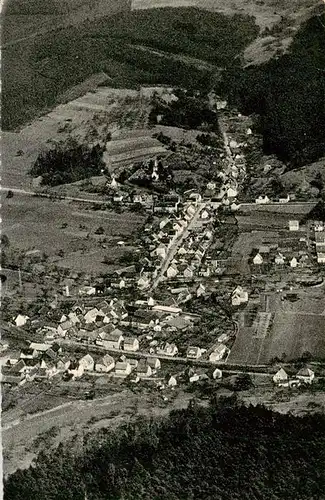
x=288 y=94
x=220 y=453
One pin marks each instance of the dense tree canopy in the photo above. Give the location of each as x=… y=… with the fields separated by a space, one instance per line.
x=68 y=162
x=222 y=452
x=289 y=95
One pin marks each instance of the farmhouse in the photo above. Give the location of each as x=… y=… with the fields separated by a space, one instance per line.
x=21 y=320
x=172 y=271
x=111 y=340
x=258 y=259
x=106 y=364
x=293 y=225
x=154 y=364
x=144 y=369
x=87 y=362
x=123 y=368
x=193 y=352
x=306 y=375
x=168 y=350
x=239 y=296
x=262 y=200
x=172 y=382
x=218 y=353
x=217 y=374
x=131 y=344
x=281 y=377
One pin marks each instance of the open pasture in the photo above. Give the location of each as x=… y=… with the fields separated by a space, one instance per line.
x=41 y=224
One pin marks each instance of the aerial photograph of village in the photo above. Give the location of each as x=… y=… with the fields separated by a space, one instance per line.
x=163 y=250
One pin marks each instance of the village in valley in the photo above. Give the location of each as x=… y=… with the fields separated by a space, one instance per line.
x=215 y=290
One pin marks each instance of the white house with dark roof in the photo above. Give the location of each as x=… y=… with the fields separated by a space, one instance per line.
x=306 y=375
x=105 y=364
x=131 y=344
x=193 y=352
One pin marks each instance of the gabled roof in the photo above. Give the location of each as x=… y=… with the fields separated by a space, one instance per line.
x=305 y=372
x=121 y=365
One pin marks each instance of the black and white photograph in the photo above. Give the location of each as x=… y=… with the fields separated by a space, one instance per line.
x=162 y=228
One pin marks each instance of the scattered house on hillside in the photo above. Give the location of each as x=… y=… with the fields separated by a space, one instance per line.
x=131 y=344
x=172 y=382
x=293 y=225
x=239 y=296
x=193 y=352
x=154 y=364
x=87 y=362
x=258 y=260
x=3 y=345
x=232 y=193
x=172 y=271
x=293 y=262
x=279 y=259
x=200 y=290
x=321 y=258
x=306 y=375
x=285 y=200
x=217 y=374
x=168 y=350
x=144 y=369
x=281 y=377
x=262 y=200
x=105 y=364
x=123 y=368
x=21 y=320
x=218 y=353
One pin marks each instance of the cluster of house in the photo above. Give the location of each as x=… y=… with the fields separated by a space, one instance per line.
x=304 y=376
x=319 y=228
x=196 y=234
x=288 y=249
x=43 y=361
x=264 y=199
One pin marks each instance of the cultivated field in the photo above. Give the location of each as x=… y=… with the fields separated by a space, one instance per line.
x=295 y=328
x=88 y=118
